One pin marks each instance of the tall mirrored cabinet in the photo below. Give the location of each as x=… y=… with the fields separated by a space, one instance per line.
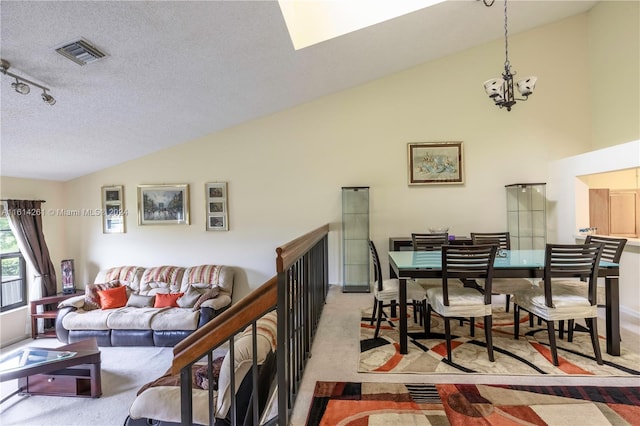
x=527 y=215
x=355 y=239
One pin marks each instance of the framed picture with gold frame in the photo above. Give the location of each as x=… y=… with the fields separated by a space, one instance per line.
x=435 y=163
x=217 y=206
x=113 y=211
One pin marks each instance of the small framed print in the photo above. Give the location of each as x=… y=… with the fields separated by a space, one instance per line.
x=113 y=211
x=68 y=280
x=163 y=204
x=217 y=206
x=435 y=163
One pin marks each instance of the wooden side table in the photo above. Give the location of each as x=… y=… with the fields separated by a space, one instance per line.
x=47 y=314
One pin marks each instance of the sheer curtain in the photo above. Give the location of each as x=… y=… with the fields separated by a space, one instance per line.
x=25 y=220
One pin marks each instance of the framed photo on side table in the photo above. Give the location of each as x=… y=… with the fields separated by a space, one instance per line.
x=113 y=209
x=163 y=204
x=435 y=163
x=217 y=206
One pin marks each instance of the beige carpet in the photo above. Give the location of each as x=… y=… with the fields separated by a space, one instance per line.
x=529 y=355
x=124 y=371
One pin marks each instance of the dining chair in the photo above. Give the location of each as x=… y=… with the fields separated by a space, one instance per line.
x=559 y=303
x=463 y=262
x=387 y=292
x=504 y=286
x=611 y=252
x=428 y=242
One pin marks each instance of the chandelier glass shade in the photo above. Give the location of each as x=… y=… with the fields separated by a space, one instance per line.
x=501 y=90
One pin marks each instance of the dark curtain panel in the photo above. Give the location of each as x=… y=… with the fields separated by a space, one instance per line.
x=26 y=220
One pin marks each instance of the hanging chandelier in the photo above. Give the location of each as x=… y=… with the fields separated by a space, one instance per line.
x=501 y=90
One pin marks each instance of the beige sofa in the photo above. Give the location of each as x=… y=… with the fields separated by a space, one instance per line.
x=142 y=321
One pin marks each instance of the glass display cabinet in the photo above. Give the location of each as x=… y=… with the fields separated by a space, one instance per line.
x=527 y=215
x=355 y=239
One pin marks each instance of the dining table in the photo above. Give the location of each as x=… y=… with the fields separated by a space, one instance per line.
x=410 y=264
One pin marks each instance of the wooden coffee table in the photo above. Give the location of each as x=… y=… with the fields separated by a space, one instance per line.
x=70 y=370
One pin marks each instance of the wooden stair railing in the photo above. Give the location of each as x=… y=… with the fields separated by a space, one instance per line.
x=299 y=291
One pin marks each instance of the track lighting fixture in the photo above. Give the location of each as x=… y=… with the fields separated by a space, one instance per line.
x=21 y=84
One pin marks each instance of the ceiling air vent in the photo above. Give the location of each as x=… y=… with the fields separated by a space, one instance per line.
x=81 y=52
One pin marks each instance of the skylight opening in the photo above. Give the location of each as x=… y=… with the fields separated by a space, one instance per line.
x=313 y=21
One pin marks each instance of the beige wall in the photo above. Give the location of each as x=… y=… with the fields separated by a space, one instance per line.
x=614 y=62
x=285 y=171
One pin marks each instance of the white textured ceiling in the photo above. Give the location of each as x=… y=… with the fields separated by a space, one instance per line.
x=178 y=70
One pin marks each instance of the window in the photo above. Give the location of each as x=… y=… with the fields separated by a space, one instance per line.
x=13 y=293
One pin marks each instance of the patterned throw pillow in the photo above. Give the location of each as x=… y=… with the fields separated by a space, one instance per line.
x=113 y=297
x=91 y=298
x=209 y=294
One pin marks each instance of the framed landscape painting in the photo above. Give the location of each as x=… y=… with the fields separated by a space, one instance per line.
x=435 y=163
x=217 y=213
x=163 y=204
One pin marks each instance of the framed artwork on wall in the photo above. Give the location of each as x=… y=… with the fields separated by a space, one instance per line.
x=113 y=211
x=435 y=163
x=163 y=204
x=217 y=213
x=68 y=280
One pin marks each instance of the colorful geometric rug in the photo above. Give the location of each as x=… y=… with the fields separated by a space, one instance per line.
x=529 y=355
x=360 y=404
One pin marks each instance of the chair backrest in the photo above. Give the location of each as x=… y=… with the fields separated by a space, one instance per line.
x=572 y=261
x=429 y=242
x=468 y=262
x=500 y=238
x=377 y=269
x=612 y=247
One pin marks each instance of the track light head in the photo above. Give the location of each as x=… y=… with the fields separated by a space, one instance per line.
x=47 y=98
x=21 y=88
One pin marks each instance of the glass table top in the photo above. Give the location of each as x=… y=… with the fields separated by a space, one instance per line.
x=513 y=259
x=31 y=357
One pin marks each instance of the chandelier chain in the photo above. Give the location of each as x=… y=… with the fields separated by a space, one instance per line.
x=507 y=65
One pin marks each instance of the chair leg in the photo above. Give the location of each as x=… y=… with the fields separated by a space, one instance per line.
x=508 y=302
x=472 y=325
x=379 y=319
x=488 y=322
x=375 y=308
x=447 y=333
x=561 y=329
x=592 y=323
x=552 y=342
x=570 y=326
x=516 y=322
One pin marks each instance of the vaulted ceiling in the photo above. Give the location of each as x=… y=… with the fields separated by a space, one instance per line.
x=179 y=70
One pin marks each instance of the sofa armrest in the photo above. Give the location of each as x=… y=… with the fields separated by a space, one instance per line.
x=207 y=314
x=62 y=333
x=217 y=303
x=75 y=301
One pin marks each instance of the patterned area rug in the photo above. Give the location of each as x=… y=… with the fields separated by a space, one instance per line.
x=530 y=355
x=360 y=404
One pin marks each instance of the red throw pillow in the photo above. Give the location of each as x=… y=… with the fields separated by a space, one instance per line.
x=113 y=297
x=167 y=300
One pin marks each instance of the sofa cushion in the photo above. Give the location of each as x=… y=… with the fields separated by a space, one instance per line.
x=208 y=294
x=140 y=301
x=91 y=298
x=243 y=357
x=167 y=300
x=161 y=279
x=209 y=276
x=175 y=319
x=112 y=298
x=130 y=318
x=126 y=275
x=163 y=402
x=189 y=298
x=87 y=320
